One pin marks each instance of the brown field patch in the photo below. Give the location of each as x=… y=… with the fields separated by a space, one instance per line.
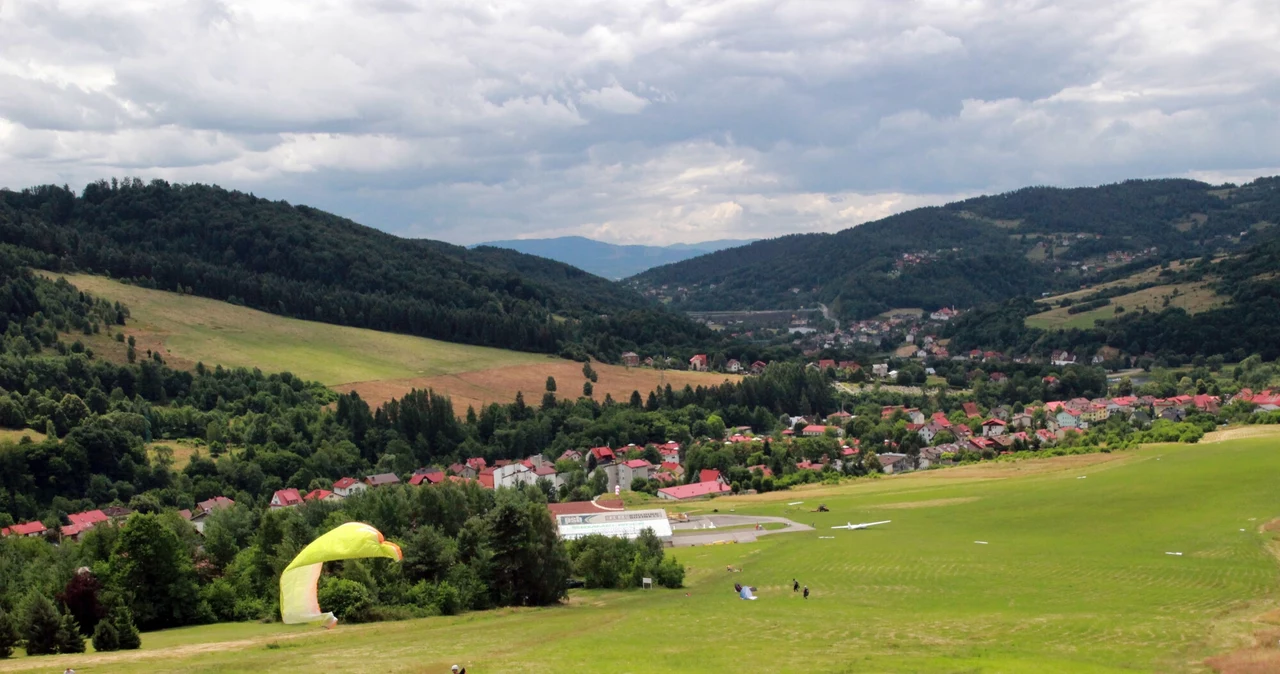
x=500 y=385
x=1240 y=433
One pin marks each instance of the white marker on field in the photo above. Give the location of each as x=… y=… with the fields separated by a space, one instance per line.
x=1179 y=554
x=981 y=542
x=826 y=537
x=796 y=503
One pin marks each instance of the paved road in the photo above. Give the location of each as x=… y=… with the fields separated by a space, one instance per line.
x=736 y=535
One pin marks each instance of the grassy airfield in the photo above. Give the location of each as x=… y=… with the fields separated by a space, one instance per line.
x=1073 y=577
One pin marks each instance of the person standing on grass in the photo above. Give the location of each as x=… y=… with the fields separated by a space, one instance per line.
x=806 y=591
x=795 y=585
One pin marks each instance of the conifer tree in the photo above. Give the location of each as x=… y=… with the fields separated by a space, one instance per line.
x=40 y=624
x=126 y=631
x=8 y=634
x=68 y=636
x=105 y=637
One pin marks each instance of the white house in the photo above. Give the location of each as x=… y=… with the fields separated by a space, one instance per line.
x=349 y=486
x=632 y=470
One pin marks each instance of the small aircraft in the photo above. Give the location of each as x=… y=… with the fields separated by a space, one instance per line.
x=864 y=525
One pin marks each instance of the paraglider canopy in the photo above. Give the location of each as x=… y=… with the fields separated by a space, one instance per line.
x=353 y=540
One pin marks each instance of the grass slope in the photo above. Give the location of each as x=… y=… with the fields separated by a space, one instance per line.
x=380 y=365
x=1194 y=297
x=1073 y=578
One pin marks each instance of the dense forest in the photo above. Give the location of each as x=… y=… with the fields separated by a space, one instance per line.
x=301 y=262
x=1248 y=324
x=981 y=250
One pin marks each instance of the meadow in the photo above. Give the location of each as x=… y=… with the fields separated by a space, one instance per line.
x=1194 y=297
x=1046 y=565
x=187 y=330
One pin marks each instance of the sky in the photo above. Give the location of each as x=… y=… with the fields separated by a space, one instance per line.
x=635 y=121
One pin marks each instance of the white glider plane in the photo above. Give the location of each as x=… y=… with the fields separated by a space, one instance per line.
x=864 y=525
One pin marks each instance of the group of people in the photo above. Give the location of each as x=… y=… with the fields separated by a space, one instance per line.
x=795 y=587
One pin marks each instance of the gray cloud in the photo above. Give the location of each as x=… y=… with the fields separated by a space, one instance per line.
x=639 y=121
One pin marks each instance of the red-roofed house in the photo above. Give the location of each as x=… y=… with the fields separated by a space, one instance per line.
x=982 y=443
x=940 y=418
x=813 y=431
x=635 y=469
x=205 y=508
x=603 y=455
x=25 y=529
x=477 y=463
x=692 y=491
x=88 y=518
x=424 y=476
x=571 y=455
x=486 y=478
x=711 y=475
x=826 y=364
x=758 y=367
x=321 y=495
x=674 y=468
x=348 y=486
x=698 y=363
x=286 y=498
x=1046 y=436
x=762 y=469
x=992 y=428
x=839 y=418
x=971 y=410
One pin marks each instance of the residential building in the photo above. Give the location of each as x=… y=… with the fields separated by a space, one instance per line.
x=893 y=462
x=711 y=475
x=698 y=363
x=993 y=427
x=321 y=495
x=426 y=476
x=635 y=469
x=27 y=529
x=734 y=366
x=381 y=479
x=971 y=410
x=348 y=486
x=631 y=359
x=286 y=498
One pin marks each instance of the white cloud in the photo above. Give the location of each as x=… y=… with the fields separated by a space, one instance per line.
x=637 y=121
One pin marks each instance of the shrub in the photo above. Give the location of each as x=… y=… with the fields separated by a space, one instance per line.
x=105 y=637
x=127 y=632
x=344 y=598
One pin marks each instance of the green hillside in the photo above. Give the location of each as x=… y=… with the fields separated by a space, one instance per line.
x=1074 y=576
x=986 y=249
x=304 y=263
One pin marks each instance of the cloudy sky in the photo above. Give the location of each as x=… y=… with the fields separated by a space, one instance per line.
x=638 y=121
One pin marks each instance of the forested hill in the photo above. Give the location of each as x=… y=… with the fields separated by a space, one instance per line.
x=979 y=250
x=305 y=263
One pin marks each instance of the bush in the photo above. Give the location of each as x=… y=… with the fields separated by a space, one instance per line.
x=105 y=637
x=670 y=573
x=344 y=598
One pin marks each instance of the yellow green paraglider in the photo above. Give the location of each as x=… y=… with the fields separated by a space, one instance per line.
x=298 y=602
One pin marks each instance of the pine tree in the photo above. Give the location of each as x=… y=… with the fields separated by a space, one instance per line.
x=636 y=402
x=551 y=384
x=40 y=624
x=68 y=636
x=105 y=637
x=127 y=632
x=8 y=635
x=586 y=388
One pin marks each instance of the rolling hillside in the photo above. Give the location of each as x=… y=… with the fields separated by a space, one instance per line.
x=187 y=330
x=608 y=260
x=303 y=263
x=985 y=249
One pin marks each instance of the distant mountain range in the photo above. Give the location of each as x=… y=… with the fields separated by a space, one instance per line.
x=609 y=260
